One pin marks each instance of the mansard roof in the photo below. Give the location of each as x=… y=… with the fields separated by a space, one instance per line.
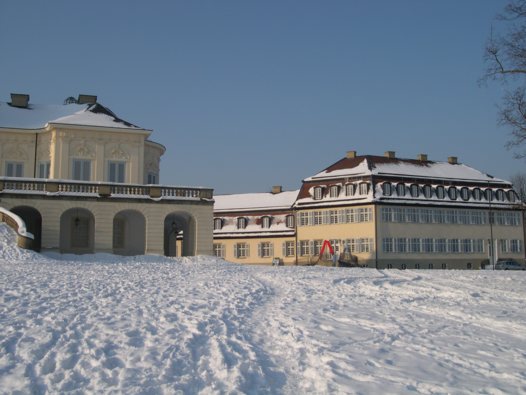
x=369 y=165
x=38 y=116
x=255 y=201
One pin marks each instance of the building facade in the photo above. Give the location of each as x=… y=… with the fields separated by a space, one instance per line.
x=85 y=180
x=386 y=212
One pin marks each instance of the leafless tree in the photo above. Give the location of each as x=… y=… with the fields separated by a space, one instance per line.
x=505 y=57
x=519 y=185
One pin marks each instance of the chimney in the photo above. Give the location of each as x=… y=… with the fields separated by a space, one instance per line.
x=422 y=157
x=277 y=189
x=87 y=99
x=19 y=100
x=351 y=154
x=452 y=160
x=390 y=154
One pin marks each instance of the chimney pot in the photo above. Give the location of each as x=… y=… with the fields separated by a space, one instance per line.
x=453 y=160
x=390 y=154
x=351 y=154
x=422 y=157
x=87 y=99
x=277 y=189
x=19 y=100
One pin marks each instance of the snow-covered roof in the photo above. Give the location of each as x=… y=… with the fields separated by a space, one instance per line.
x=255 y=201
x=368 y=165
x=38 y=116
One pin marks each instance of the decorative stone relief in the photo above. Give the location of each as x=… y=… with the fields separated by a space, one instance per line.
x=83 y=149
x=15 y=151
x=118 y=152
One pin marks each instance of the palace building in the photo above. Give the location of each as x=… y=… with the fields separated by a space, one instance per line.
x=388 y=212
x=83 y=180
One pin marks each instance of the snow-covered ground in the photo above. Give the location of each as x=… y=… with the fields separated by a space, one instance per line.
x=154 y=325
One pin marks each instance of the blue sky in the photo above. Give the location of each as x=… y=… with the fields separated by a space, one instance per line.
x=250 y=94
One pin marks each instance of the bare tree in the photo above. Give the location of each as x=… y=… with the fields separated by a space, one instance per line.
x=519 y=185
x=505 y=57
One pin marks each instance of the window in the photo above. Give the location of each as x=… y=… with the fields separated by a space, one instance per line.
x=428 y=191
x=289 y=220
x=467 y=245
x=333 y=217
x=82 y=169
x=317 y=218
x=499 y=195
x=417 y=265
x=440 y=192
x=288 y=248
x=451 y=217
x=318 y=193
x=386 y=214
x=439 y=216
x=335 y=244
x=303 y=219
x=411 y=215
x=414 y=190
x=387 y=244
x=153 y=178
x=453 y=246
x=512 y=196
x=241 y=223
x=387 y=189
x=400 y=189
x=489 y=195
x=317 y=247
x=414 y=244
x=350 y=189
x=304 y=247
x=464 y=193
x=430 y=266
x=116 y=171
x=219 y=250
x=218 y=223
x=426 y=215
x=265 y=250
x=444 y=266
x=364 y=188
x=477 y=194
x=241 y=250
x=14 y=169
x=427 y=245
x=334 y=191
x=453 y=193
x=516 y=246
x=265 y=222
x=401 y=244
x=43 y=169
x=440 y=245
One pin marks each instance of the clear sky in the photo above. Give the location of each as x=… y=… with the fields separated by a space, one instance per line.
x=248 y=94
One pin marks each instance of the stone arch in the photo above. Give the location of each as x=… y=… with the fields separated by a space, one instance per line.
x=33 y=221
x=129 y=233
x=77 y=231
x=179 y=234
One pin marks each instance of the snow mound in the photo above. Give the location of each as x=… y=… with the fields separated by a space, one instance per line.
x=9 y=250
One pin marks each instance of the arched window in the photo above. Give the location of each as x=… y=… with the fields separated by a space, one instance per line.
x=477 y=194
x=400 y=189
x=350 y=189
x=453 y=193
x=414 y=190
x=387 y=189
x=364 y=188
x=290 y=221
x=428 y=191
x=440 y=192
x=489 y=194
x=512 y=196
x=318 y=193
x=218 y=223
x=500 y=195
x=334 y=191
x=464 y=193
x=265 y=222
x=242 y=223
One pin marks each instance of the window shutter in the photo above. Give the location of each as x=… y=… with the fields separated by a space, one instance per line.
x=284 y=248
x=248 y=250
x=260 y=252
x=271 y=249
x=326 y=217
x=235 y=250
x=311 y=247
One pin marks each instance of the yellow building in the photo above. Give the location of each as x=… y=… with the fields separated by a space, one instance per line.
x=386 y=212
x=84 y=180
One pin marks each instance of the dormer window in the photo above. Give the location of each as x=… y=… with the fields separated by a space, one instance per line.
x=453 y=193
x=290 y=221
x=265 y=222
x=218 y=223
x=500 y=195
x=387 y=189
x=414 y=190
x=477 y=194
x=464 y=193
x=428 y=191
x=334 y=191
x=364 y=188
x=241 y=223
x=512 y=196
x=441 y=192
x=350 y=189
x=489 y=194
x=318 y=193
x=400 y=189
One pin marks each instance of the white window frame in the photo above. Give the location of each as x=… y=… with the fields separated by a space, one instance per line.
x=289 y=221
x=117 y=171
x=44 y=168
x=241 y=250
x=364 y=188
x=218 y=223
x=219 y=250
x=265 y=222
x=318 y=193
x=241 y=223
x=334 y=191
x=265 y=249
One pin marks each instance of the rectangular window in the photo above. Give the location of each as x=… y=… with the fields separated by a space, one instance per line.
x=453 y=246
x=153 y=178
x=14 y=169
x=266 y=250
x=364 y=245
x=464 y=217
x=401 y=244
x=467 y=246
x=387 y=244
x=440 y=245
x=398 y=214
x=478 y=245
x=116 y=171
x=451 y=217
x=317 y=218
x=317 y=247
x=411 y=215
x=219 y=250
x=426 y=215
x=304 y=247
x=386 y=214
x=414 y=245
x=333 y=217
x=43 y=169
x=241 y=250
x=288 y=248
x=516 y=246
x=81 y=169
x=303 y=219
x=439 y=217
x=427 y=245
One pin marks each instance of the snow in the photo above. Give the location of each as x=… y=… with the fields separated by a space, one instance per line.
x=255 y=201
x=149 y=324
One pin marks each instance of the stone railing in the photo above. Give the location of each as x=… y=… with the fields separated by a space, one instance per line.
x=24 y=238
x=69 y=187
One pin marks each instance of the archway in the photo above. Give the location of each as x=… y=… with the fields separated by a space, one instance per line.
x=33 y=221
x=179 y=234
x=129 y=236
x=77 y=231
